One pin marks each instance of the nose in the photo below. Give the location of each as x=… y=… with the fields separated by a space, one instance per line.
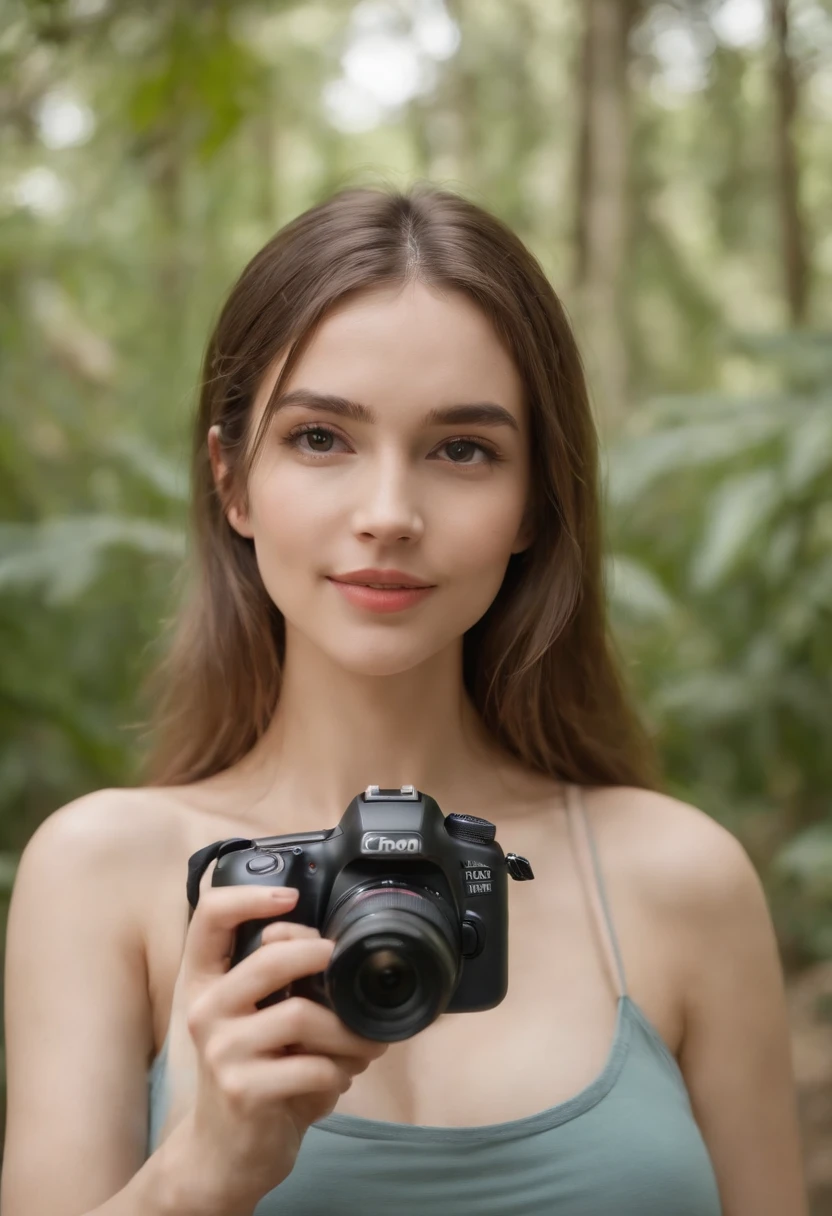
x=387 y=510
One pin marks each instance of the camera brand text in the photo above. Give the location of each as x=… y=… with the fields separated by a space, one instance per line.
x=374 y=842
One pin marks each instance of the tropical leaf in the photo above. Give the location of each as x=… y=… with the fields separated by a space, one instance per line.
x=635 y=589
x=808 y=449
x=679 y=408
x=66 y=554
x=169 y=479
x=740 y=508
x=637 y=464
x=808 y=857
x=706 y=698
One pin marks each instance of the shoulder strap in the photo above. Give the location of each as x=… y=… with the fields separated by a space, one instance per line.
x=583 y=836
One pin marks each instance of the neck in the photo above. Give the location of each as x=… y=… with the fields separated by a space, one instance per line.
x=335 y=732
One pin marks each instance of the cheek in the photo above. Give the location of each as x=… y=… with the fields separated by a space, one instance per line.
x=286 y=517
x=483 y=534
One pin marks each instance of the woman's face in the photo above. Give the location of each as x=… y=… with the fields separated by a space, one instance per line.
x=400 y=446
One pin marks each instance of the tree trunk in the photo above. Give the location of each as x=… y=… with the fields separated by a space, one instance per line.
x=602 y=198
x=792 y=234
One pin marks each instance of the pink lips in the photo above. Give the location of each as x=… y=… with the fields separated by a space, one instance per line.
x=396 y=591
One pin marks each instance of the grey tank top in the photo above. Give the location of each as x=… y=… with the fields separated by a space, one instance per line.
x=626 y=1144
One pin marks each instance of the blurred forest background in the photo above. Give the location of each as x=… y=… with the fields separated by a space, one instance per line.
x=669 y=162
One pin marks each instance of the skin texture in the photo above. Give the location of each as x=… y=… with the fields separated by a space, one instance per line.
x=379 y=699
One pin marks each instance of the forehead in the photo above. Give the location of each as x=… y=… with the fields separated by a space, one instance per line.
x=406 y=346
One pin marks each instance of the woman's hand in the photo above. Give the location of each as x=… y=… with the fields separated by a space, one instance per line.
x=262 y=1075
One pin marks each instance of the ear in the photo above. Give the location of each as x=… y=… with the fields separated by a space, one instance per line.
x=234 y=513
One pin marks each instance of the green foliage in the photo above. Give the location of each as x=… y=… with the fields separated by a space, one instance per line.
x=721 y=518
x=65 y=555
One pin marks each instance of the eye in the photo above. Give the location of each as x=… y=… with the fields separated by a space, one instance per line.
x=313 y=439
x=468 y=451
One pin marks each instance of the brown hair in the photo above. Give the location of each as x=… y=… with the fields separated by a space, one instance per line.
x=539 y=666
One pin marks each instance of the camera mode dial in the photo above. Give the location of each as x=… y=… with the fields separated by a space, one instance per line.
x=470 y=828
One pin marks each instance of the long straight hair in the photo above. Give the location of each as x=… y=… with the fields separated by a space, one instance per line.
x=540 y=665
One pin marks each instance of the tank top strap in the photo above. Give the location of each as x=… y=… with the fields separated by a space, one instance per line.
x=584 y=841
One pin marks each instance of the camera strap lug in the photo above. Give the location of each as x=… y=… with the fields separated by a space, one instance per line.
x=518 y=867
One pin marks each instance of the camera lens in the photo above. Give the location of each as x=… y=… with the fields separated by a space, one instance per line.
x=396 y=961
x=386 y=980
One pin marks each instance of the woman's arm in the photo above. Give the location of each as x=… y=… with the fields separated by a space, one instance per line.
x=78 y=1029
x=736 y=1052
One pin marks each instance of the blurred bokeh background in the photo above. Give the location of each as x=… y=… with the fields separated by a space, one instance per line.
x=670 y=163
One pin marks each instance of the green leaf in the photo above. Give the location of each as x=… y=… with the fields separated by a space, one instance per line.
x=679 y=408
x=706 y=699
x=809 y=449
x=66 y=553
x=635 y=589
x=804 y=356
x=809 y=857
x=637 y=463
x=782 y=548
x=738 y=510
x=149 y=463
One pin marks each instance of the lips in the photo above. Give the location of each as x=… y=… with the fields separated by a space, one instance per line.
x=381 y=580
x=381 y=591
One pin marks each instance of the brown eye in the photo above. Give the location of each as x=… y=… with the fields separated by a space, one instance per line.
x=460 y=451
x=311 y=439
x=319 y=440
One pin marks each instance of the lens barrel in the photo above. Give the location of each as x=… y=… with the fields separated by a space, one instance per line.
x=395 y=964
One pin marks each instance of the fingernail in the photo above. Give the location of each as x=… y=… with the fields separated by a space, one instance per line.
x=284 y=894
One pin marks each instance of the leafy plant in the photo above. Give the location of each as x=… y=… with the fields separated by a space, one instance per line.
x=720 y=513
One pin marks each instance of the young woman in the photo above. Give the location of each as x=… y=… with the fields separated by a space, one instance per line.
x=392 y=399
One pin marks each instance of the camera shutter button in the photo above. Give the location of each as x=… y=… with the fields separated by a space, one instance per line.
x=265 y=863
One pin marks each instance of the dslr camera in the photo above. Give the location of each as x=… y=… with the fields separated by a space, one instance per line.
x=415 y=901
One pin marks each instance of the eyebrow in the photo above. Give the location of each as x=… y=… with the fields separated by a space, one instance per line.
x=468 y=413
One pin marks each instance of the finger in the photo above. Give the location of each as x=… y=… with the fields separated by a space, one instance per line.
x=207 y=879
x=268 y=969
x=286 y=930
x=306 y=1027
x=218 y=914
x=353 y=1066
x=254 y=1083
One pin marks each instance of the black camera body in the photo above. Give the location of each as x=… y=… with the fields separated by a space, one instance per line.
x=415 y=901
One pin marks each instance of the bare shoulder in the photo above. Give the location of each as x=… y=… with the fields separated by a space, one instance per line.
x=103 y=846
x=689 y=899
x=117 y=827
x=679 y=855
x=109 y=819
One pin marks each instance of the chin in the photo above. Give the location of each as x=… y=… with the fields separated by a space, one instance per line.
x=379 y=661
x=380 y=651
